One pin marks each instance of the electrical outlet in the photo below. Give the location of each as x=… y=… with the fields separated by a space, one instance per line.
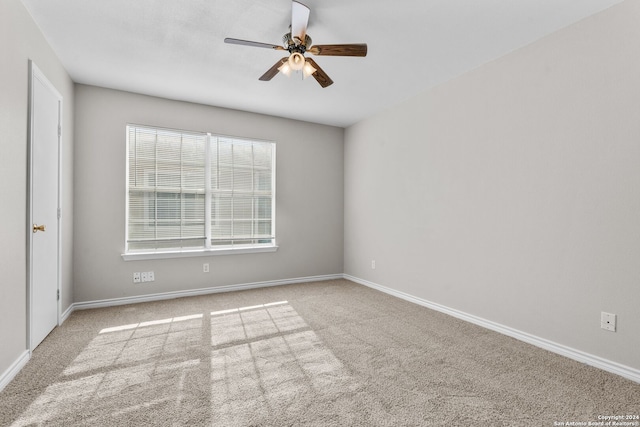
x=373 y=264
x=151 y=276
x=205 y=267
x=608 y=321
x=136 y=277
x=144 y=277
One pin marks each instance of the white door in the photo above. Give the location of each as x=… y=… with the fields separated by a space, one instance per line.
x=45 y=114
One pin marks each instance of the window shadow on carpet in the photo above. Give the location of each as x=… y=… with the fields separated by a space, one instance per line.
x=228 y=367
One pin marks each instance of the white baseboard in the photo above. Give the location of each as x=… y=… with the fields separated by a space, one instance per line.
x=13 y=370
x=195 y=292
x=66 y=314
x=580 y=356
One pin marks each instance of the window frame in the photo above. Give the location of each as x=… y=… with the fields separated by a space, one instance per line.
x=207 y=249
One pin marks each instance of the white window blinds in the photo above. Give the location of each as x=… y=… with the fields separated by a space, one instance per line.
x=190 y=190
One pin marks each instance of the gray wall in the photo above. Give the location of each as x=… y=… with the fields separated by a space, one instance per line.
x=513 y=192
x=309 y=197
x=21 y=40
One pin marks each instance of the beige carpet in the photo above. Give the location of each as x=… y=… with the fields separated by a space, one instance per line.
x=318 y=354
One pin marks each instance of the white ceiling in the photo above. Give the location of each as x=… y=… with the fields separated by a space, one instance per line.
x=174 y=49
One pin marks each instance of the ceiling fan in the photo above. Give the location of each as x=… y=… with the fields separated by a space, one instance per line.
x=297 y=42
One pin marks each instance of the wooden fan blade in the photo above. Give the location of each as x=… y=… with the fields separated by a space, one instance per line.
x=320 y=76
x=299 y=20
x=254 y=44
x=358 y=49
x=271 y=72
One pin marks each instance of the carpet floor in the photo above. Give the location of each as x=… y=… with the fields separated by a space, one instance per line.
x=328 y=353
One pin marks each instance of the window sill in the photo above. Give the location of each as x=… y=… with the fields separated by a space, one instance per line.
x=188 y=253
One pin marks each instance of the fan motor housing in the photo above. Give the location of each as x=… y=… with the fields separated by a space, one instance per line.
x=290 y=44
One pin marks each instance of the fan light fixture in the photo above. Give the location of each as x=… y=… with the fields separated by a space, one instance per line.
x=297 y=62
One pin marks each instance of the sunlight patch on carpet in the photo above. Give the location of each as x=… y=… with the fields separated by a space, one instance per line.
x=267 y=359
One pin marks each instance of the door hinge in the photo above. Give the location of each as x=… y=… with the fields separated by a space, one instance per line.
x=58 y=295
x=59 y=131
x=59 y=213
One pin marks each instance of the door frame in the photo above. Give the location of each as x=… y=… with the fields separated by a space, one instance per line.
x=35 y=73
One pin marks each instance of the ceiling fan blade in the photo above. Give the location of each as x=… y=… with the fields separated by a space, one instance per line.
x=358 y=49
x=271 y=72
x=299 y=20
x=254 y=44
x=320 y=76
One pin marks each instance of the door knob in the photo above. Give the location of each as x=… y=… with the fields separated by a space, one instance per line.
x=37 y=228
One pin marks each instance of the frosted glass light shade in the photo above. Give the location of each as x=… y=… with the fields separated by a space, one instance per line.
x=285 y=69
x=308 y=69
x=296 y=61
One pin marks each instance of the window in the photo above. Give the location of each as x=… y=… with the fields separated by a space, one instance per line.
x=198 y=192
